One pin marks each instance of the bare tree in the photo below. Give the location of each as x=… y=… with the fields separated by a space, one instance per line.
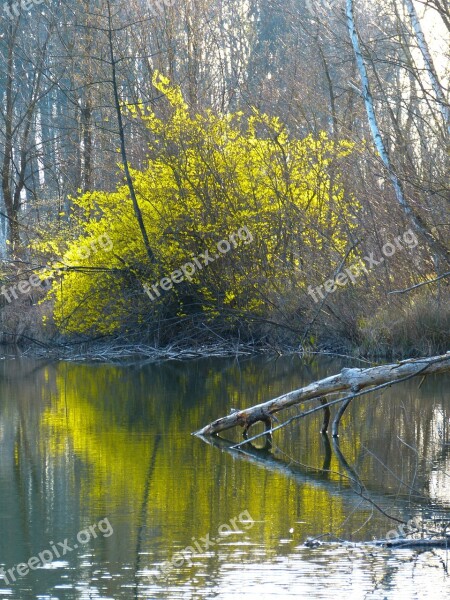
x=429 y=65
x=416 y=219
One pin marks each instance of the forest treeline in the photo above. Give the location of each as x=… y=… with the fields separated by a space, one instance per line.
x=137 y=138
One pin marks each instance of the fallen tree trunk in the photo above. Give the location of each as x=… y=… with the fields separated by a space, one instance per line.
x=442 y=542
x=348 y=380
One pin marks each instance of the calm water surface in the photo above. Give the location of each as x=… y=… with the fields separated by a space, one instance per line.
x=110 y=448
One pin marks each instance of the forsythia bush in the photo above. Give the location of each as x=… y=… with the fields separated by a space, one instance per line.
x=207 y=176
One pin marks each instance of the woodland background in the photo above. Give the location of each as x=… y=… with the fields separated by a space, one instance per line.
x=216 y=115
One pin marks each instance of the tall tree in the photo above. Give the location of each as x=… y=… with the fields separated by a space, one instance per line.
x=416 y=219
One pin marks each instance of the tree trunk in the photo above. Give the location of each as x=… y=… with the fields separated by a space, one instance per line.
x=8 y=145
x=416 y=219
x=429 y=65
x=348 y=380
x=123 y=150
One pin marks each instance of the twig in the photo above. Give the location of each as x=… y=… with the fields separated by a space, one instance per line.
x=418 y=285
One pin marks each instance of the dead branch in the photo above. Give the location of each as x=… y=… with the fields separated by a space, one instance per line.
x=413 y=543
x=325 y=406
x=350 y=380
x=418 y=285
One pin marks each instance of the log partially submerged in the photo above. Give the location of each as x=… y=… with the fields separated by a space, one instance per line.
x=442 y=542
x=348 y=380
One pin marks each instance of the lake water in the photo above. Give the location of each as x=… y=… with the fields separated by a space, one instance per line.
x=101 y=457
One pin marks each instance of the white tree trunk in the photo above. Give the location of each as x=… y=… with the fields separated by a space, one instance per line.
x=419 y=225
x=429 y=65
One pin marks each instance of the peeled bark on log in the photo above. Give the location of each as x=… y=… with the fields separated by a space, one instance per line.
x=349 y=380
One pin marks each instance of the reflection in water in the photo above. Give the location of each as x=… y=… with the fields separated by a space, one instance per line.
x=80 y=443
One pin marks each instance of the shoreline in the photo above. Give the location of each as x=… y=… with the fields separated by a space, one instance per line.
x=126 y=353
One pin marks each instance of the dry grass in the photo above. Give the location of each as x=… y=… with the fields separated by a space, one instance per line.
x=415 y=325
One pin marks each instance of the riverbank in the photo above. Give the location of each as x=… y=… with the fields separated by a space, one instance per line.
x=131 y=353
x=408 y=327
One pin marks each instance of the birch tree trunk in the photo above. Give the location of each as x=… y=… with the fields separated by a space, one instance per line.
x=429 y=65
x=416 y=220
